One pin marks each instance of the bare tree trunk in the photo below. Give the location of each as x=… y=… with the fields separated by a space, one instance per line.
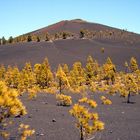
x=81 y=133
x=60 y=86
x=128 y=98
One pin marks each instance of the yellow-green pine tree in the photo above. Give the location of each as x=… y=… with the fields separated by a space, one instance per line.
x=109 y=71
x=12 y=77
x=62 y=79
x=43 y=74
x=128 y=86
x=78 y=74
x=2 y=72
x=65 y=69
x=92 y=68
x=86 y=121
x=133 y=65
x=27 y=76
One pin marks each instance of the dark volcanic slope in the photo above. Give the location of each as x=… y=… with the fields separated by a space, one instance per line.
x=66 y=51
x=72 y=26
x=99 y=31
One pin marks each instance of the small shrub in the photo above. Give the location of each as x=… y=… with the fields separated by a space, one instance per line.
x=25 y=131
x=102 y=50
x=5 y=134
x=51 y=90
x=32 y=94
x=63 y=100
x=90 y=102
x=87 y=122
x=105 y=101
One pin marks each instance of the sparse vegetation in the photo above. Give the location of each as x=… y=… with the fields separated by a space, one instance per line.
x=77 y=79
x=25 y=131
x=86 y=121
x=84 y=33
x=105 y=101
x=63 y=100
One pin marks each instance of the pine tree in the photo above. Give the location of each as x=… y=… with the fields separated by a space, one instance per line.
x=77 y=77
x=27 y=77
x=12 y=77
x=35 y=38
x=15 y=40
x=29 y=38
x=62 y=79
x=3 y=41
x=133 y=65
x=10 y=40
x=10 y=105
x=2 y=72
x=43 y=74
x=65 y=69
x=38 y=39
x=56 y=36
x=92 y=69
x=126 y=67
x=47 y=37
x=102 y=50
x=129 y=85
x=64 y=35
x=87 y=122
x=109 y=71
x=137 y=76
x=9 y=76
x=23 y=38
x=82 y=33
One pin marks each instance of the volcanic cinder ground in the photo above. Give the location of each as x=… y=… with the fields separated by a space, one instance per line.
x=52 y=122
x=67 y=51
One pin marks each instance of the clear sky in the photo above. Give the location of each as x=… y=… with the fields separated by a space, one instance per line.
x=21 y=16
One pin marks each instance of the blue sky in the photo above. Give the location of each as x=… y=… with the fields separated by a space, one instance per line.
x=22 y=16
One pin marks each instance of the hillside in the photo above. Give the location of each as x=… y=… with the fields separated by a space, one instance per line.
x=120 y=45
x=95 y=31
x=66 y=51
x=38 y=89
